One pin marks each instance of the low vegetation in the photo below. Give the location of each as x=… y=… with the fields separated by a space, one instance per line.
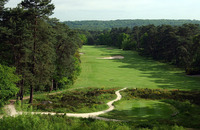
x=1 y=111
x=44 y=122
x=158 y=107
x=157 y=94
x=81 y=100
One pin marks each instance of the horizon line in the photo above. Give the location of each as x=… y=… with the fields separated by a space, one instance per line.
x=129 y=19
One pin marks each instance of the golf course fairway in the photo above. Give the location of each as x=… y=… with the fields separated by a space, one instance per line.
x=133 y=71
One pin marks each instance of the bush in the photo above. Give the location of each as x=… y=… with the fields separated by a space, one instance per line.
x=191 y=96
x=127 y=44
x=85 y=100
x=8 y=82
x=48 y=122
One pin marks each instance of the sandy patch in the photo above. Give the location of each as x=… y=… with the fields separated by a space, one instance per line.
x=10 y=110
x=112 y=57
x=81 y=53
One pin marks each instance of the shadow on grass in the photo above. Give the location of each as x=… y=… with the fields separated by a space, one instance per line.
x=155 y=112
x=167 y=76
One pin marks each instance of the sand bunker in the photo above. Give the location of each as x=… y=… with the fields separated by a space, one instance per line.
x=81 y=53
x=113 y=57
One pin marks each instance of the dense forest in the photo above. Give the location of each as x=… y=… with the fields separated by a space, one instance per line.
x=106 y=25
x=37 y=53
x=177 y=45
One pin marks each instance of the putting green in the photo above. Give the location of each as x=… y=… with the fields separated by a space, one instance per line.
x=138 y=110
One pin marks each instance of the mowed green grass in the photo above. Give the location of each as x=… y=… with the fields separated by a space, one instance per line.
x=141 y=110
x=133 y=71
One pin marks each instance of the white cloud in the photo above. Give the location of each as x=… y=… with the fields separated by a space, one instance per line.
x=100 y=4
x=129 y=9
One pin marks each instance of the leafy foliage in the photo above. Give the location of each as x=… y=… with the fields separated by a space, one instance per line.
x=192 y=96
x=25 y=122
x=7 y=83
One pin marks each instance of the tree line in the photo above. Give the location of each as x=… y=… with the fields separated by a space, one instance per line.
x=37 y=53
x=106 y=25
x=177 y=45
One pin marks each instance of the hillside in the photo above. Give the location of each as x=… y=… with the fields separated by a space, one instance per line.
x=102 y=25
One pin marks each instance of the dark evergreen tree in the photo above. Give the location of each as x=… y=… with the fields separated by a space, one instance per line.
x=44 y=51
x=66 y=43
x=37 y=11
x=15 y=45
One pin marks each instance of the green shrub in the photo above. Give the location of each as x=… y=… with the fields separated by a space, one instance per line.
x=84 y=100
x=8 y=81
x=48 y=122
x=191 y=96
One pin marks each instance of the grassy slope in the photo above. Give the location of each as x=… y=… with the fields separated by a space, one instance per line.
x=134 y=71
x=141 y=110
x=165 y=112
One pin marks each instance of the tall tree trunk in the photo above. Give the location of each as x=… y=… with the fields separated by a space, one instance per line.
x=31 y=95
x=17 y=96
x=56 y=86
x=51 y=88
x=22 y=91
x=34 y=59
x=138 y=40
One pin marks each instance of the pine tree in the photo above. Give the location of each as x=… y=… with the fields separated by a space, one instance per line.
x=15 y=45
x=67 y=62
x=38 y=10
x=2 y=3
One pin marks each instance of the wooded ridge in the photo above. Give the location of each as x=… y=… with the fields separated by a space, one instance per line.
x=102 y=25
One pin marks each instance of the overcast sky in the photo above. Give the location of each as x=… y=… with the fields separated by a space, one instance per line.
x=123 y=9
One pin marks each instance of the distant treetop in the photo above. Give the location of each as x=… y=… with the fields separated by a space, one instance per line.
x=96 y=25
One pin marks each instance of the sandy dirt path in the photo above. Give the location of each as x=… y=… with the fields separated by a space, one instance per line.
x=12 y=111
x=10 y=108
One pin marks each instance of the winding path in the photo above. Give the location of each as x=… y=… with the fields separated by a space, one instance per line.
x=12 y=111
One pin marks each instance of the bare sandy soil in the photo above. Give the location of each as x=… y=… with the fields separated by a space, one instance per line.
x=112 y=57
x=81 y=53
